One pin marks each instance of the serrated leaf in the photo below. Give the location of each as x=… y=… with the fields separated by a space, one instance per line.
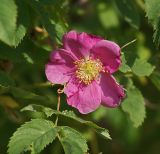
x=155 y=78
x=33 y=136
x=142 y=68
x=8 y=16
x=102 y=131
x=156 y=35
x=153 y=14
x=134 y=105
x=129 y=12
x=69 y=114
x=124 y=67
x=72 y=141
x=39 y=108
x=152 y=9
x=23 y=22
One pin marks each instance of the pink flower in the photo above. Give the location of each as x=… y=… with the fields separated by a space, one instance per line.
x=86 y=63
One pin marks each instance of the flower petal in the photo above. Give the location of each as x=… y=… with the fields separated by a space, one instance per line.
x=79 y=44
x=60 y=67
x=109 y=54
x=86 y=98
x=112 y=92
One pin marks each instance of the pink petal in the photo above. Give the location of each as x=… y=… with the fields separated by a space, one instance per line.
x=60 y=67
x=79 y=44
x=112 y=92
x=86 y=98
x=109 y=54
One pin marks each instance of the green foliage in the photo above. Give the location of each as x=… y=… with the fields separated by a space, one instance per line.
x=68 y=114
x=124 y=67
x=30 y=30
x=33 y=136
x=8 y=15
x=155 y=78
x=22 y=23
x=153 y=14
x=49 y=22
x=13 y=25
x=107 y=16
x=142 y=68
x=134 y=105
x=5 y=80
x=72 y=141
x=126 y=8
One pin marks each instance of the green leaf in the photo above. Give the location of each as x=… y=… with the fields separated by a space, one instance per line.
x=107 y=16
x=134 y=105
x=124 y=67
x=142 y=68
x=8 y=16
x=27 y=95
x=68 y=114
x=53 y=22
x=26 y=52
x=72 y=141
x=102 y=131
x=39 y=108
x=153 y=14
x=23 y=21
x=33 y=136
x=152 y=10
x=22 y=94
x=44 y=18
x=129 y=12
x=5 y=80
x=156 y=35
x=155 y=78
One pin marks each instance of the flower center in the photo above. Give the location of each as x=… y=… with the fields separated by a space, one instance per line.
x=88 y=70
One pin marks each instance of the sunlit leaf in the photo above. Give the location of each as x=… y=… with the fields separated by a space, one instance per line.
x=107 y=16
x=142 y=68
x=68 y=114
x=33 y=136
x=8 y=16
x=72 y=141
x=134 y=105
x=124 y=67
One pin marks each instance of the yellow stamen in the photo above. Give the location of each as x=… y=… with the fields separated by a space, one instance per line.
x=88 y=69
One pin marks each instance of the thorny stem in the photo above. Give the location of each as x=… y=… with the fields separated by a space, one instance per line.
x=59 y=91
x=128 y=43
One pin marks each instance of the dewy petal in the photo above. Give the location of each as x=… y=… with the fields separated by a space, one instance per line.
x=86 y=98
x=79 y=44
x=60 y=67
x=109 y=54
x=112 y=92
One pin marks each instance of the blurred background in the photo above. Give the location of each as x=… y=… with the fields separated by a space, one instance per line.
x=23 y=81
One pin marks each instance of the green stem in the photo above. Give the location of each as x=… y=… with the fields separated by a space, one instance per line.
x=59 y=91
x=129 y=43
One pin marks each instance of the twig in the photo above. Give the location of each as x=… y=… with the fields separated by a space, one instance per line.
x=59 y=91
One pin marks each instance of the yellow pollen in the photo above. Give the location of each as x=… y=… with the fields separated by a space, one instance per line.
x=88 y=70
